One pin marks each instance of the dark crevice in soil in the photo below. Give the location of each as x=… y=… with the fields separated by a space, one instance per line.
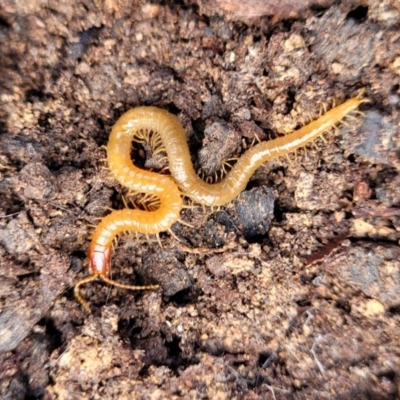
x=359 y=14
x=53 y=335
x=185 y=297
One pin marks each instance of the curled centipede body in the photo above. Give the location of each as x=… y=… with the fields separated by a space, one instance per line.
x=168 y=134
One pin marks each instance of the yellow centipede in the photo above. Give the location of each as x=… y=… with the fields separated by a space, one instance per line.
x=184 y=180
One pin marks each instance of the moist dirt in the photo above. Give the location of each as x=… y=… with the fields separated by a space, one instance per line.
x=290 y=292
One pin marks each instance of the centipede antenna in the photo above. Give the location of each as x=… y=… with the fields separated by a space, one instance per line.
x=125 y=286
x=77 y=294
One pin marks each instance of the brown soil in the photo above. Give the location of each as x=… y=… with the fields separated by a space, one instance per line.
x=291 y=292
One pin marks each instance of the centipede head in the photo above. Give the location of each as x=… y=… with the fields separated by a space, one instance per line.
x=99 y=259
x=104 y=278
x=99 y=267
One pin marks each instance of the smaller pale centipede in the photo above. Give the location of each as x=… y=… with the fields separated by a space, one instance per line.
x=138 y=123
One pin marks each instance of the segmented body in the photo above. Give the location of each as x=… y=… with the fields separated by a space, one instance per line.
x=184 y=181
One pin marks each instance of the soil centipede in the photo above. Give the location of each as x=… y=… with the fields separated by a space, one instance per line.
x=136 y=125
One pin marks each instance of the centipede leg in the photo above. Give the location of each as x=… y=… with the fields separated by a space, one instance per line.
x=352 y=118
x=316 y=146
x=323 y=139
x=124 y=200
x=181 y=221
x=288 y=158
x=191 y=206
x=159 y=240
x=360 y=113
x=171 y=232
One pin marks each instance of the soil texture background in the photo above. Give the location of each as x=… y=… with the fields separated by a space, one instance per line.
x=290 y=292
